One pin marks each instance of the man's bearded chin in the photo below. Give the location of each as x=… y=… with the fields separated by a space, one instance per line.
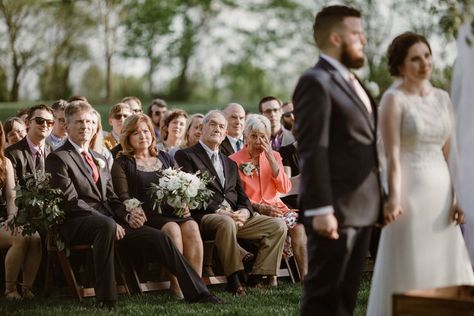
x=349 y=60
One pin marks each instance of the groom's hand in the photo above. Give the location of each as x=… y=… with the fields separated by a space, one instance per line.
x=326 y=225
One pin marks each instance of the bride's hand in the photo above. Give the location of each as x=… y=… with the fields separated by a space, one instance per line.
x=391 y=211
x=457 y=214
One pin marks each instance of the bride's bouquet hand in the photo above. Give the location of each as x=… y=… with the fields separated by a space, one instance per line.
x=391 y=211
x=457 y=214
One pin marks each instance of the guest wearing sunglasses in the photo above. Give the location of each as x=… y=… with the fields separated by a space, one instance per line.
x=156 y=111
x=28 y=155
x=134 y=103
x=117 y=115
x=287 y=118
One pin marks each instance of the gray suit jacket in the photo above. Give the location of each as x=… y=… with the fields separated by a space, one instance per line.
x=337 y=147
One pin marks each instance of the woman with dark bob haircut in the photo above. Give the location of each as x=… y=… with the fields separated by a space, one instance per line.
x=421 y=246
x=135 y=168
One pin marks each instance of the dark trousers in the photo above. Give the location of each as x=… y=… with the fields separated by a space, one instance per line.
x=148 y=238
x=98 y=231
x=331 y=285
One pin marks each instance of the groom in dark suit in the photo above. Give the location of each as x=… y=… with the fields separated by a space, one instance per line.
x=95 y=215
x=336 y=123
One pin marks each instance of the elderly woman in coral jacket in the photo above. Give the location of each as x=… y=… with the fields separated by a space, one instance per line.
x=263 y=179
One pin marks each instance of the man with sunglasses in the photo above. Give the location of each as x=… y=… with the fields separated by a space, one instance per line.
x=134 y=103
x=271 y=108
x=28 y=155
x=287 y=118
x=117 y=115
x=59 y=134
x=156 y=110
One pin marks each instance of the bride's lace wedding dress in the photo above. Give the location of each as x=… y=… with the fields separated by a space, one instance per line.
x=423 y=248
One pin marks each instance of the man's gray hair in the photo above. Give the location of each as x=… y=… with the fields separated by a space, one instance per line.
x=75 y=107
x=257 y=122
x=211 y=113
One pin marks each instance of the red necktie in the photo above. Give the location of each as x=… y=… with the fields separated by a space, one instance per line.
x=90 y=162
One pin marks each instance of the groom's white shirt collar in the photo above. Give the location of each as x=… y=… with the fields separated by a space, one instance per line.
x=345 y=73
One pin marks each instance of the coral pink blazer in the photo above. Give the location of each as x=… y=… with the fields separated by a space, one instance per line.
x=261 y=187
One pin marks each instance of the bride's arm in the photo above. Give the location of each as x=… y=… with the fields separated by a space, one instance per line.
x=390 y=123
x=451 y=156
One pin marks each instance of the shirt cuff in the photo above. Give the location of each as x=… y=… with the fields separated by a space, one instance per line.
x=319 y=211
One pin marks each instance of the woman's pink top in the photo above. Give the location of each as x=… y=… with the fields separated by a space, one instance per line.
x=262 y=187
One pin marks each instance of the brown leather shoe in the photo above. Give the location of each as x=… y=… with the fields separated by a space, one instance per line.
x=234 y=286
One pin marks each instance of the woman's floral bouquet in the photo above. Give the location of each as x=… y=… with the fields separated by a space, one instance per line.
x=248 y=168
x=181 y=190
x=39 y=207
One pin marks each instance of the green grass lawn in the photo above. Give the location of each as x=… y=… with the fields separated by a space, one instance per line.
x=281 y=301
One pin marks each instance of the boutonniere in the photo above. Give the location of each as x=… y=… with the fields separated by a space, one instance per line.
x=248 y=168
x=100 y=162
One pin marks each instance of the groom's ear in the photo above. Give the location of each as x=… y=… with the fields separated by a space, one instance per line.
x=335 y=39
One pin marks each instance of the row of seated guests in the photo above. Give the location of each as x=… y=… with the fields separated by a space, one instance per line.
x=147 y=161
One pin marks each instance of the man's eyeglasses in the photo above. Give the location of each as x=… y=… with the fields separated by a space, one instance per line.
x=270 y=111
x=120 y=116
x=287 y=114
x=158 y=113
x=40 y=121
x=137 y=111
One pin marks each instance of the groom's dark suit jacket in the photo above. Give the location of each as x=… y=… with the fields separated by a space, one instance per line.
x=195 y=158
x=81 y=194
x=337 y=147
x=22 y=160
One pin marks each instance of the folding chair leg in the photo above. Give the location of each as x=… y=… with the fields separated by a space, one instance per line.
x=69 y=274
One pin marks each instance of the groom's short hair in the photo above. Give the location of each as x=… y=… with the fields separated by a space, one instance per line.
x=328 y=19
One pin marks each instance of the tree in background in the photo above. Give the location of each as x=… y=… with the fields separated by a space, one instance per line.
x=67 y=42
x=148 y=26
x=19 y=18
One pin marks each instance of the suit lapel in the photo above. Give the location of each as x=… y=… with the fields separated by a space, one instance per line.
x=30 y=163
x=82 y=167
x=348 y=90
x=225 y=163
x=227 y=146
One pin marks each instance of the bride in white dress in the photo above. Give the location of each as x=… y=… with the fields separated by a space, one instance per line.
x=422 y=246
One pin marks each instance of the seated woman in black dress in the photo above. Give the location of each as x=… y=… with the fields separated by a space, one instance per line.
x=134 y=169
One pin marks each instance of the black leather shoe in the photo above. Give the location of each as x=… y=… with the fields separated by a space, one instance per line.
x=109 y=305
x=207 y=298
x=255 y=280
x=234 y=286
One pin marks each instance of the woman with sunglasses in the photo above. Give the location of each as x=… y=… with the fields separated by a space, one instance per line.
x=24 y=252
x=117 y=115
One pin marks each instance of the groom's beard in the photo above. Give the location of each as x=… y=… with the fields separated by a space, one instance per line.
x=350 y=59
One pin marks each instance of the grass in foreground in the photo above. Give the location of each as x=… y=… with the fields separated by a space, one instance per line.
x=282 y=301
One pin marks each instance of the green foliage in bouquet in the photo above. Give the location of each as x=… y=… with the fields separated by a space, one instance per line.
x=181 y=190
x=39 y=207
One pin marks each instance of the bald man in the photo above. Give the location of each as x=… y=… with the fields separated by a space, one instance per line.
x=234 y=141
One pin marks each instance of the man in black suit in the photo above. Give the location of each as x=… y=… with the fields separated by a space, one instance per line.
x=336 y=123
x=234 y=141
x=28 y=155
x=95 y=215
x=229 y=214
